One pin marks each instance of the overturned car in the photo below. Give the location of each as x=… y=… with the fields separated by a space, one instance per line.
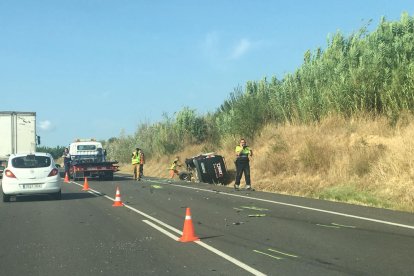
x=207 y=168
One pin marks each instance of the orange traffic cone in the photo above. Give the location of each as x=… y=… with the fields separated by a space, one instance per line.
x=66 y=180
x=118 y=201
x=188 y=231
x=85 y=185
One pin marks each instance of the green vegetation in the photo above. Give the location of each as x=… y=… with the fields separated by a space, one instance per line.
x=350 y=194
x=338 y=128
x=165 y=137
x=56 y=152
x=364 y=73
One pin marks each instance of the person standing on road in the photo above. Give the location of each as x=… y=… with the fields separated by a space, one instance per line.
x=135 y=160
x=243 y=164
x=173 y=168
x=141 y=164
x=66 y=161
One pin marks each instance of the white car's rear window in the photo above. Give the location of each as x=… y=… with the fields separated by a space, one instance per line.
x=31 y=161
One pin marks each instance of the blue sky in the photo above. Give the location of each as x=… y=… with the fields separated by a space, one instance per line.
x=92 y=68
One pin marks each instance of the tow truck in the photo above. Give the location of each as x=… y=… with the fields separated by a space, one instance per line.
x=88 y=159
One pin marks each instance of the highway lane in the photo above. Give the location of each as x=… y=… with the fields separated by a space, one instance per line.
x=84 y=235
x=255 y=228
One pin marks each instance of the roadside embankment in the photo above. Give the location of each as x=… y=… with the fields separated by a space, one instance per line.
x=361 y=161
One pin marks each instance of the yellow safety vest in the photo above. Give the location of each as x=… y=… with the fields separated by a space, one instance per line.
x=243 y=153
x=135 y=158
x=174 y=165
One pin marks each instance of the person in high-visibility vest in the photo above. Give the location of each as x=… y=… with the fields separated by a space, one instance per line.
x=66 y=161
x=243 y=164
x=173 y=167
x=135 y=160
x=141 y=164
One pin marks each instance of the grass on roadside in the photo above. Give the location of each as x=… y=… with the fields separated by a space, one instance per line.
x=350 y=194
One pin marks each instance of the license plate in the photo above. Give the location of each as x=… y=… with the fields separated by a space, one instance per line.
x=31 y=186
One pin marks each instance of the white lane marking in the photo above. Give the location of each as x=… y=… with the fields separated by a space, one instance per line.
x=210 y=248
x=280 y=252
x=206 y=246
x=162 y=230
x=328 y=226
x=155 y=220
x=296 y=206
x=230 y=259
x=269 y=255
x=341 y=225
x=136 y=211
x=92 y=191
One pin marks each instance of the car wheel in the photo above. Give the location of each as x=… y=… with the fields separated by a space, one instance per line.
x=184 y=176
x=6 y=198
x=57 y=196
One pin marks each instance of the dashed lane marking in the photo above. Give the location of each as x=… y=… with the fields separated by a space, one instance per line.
x=275 y=251
x=256 y=215
x=341 y=225
x=254 y=208
x=283 y=253
x=267 y=254
x=328 y=226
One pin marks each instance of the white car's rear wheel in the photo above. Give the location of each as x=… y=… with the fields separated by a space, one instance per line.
x=57 y=196
x=6 y=198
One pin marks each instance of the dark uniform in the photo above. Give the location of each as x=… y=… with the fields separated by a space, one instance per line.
x=66 y=161
x=243 y=164
x=141 y=163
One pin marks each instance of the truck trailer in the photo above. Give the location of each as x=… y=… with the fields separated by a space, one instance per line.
x=18 y=134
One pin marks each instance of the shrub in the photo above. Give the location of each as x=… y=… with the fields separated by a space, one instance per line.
x=363 y=158
x=315 y=157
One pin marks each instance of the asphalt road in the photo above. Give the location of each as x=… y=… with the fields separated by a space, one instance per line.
x=241 y=233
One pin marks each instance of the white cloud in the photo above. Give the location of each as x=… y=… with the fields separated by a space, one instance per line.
x=219 y=51
x=46 y=125
x=240 y=49
x=211 y=44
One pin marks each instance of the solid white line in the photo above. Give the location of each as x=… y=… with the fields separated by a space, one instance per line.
x=154 y=219
x=296 y=206
x=210 y=248
x=161 y=229
x=206 y=246
x=135 y=210
x=230 y=259
x=90 y=190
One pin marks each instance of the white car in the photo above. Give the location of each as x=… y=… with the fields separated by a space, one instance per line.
x=31 y=174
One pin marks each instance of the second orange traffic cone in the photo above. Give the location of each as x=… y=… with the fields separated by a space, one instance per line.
x=66 y=180
x=85 y=185
x=118 y=201
x=188 y=230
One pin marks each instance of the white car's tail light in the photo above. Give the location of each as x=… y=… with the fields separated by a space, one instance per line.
x=53 y=172
x=8 y=173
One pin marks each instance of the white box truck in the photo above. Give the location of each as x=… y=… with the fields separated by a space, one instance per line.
x=17 y=134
